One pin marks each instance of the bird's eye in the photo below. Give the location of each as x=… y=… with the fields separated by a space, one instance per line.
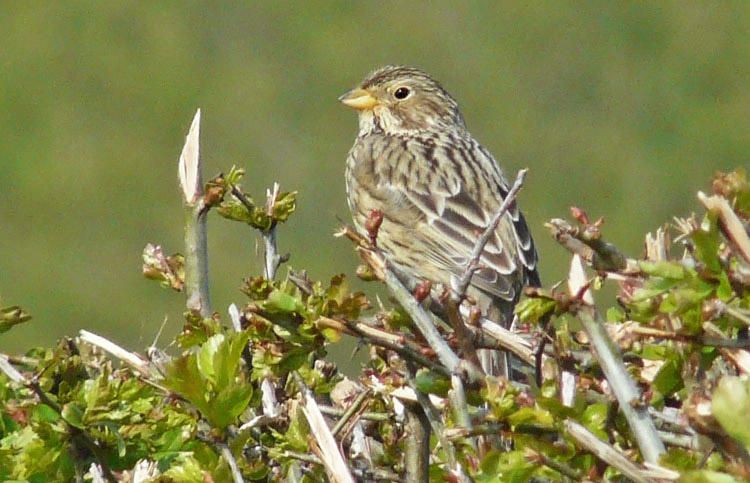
x=401 y=93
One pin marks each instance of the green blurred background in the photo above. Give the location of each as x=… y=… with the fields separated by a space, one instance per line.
x=625 y=109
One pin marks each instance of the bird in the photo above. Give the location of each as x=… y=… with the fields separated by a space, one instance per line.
x=415 y=164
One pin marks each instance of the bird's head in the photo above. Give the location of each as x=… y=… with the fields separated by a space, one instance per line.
x=399 y=99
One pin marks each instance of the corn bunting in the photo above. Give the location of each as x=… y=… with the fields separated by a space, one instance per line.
x=437 y=189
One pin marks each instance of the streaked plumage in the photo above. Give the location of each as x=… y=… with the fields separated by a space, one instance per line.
x=437 y=188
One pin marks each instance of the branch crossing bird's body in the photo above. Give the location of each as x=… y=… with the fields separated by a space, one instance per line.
x=437 y=189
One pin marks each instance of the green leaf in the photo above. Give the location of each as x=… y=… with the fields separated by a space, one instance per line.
x=706 y=241
x=42 y=412
x=430 y=382
x=208 y=357
x=219 y=358
x=282 y=302
x=705 y=476
x=532 y=310
x=229 y=403
x=293 y=359
x=184 y=378
x=595 y=418
x=234 y=176
x=284 y=206
x=530 y=415
x=298 y=432
x=615 y=314
x=682 y=299
x=12 y=316
x=185 y=469
x=731 y=407
x=663 y=268
x=667 y=381
x=72 y=413
x=724 y=291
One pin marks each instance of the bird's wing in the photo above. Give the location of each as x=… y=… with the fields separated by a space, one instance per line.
x=457 y=192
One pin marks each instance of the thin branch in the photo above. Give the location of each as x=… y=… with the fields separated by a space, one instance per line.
x=365 y=474
x=233 y=467
x=614 y=369
x=449 y=359
x=473 y=263
x=11 y=371
x=336 y=412
x=730 y=223
x=565 y=470
x=272 y=258
x=386 y=340
x=196 y=236
x=689 y=338
x=605 y=452
x=350 y=411
x=417 y=448
x=436 y=422
x=597 y=253
x=140 y=364
x=423 y=321
x=457 y=395
x=509 y=341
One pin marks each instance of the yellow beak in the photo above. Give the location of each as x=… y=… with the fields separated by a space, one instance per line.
x=359 y=99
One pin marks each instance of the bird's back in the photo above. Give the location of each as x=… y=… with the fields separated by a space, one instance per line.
x=437 y=192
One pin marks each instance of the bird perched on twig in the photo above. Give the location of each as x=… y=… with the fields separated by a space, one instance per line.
x=437 y=189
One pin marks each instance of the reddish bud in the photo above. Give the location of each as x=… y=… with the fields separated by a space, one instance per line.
x=423 y=291
x=579 y=215
x=372 y=225
x=474 y=315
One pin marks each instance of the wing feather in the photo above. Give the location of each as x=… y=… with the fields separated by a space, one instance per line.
x=456 y=202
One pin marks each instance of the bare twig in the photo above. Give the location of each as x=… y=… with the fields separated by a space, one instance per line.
x=597 y=253
x=350 y=411
x=617 y=374
x=233 y=467
x=270 y=403
x=605 y=452
x=196 y=238
x=730 y=223
x=417 y=450
x=10 y=371
x=364 y=474
x=457 y=395
x=689 y=338
x=272 y=258
x=473 y=263
x=395 y=343
x=423 y=321
x=565 y=470
x=509 y=341
x=134 y=360
x=437 y=425
x=336 y=412
x=333 y=461
x=449 y=359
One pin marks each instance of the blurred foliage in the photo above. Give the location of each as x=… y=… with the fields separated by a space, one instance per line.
x=622 y=107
